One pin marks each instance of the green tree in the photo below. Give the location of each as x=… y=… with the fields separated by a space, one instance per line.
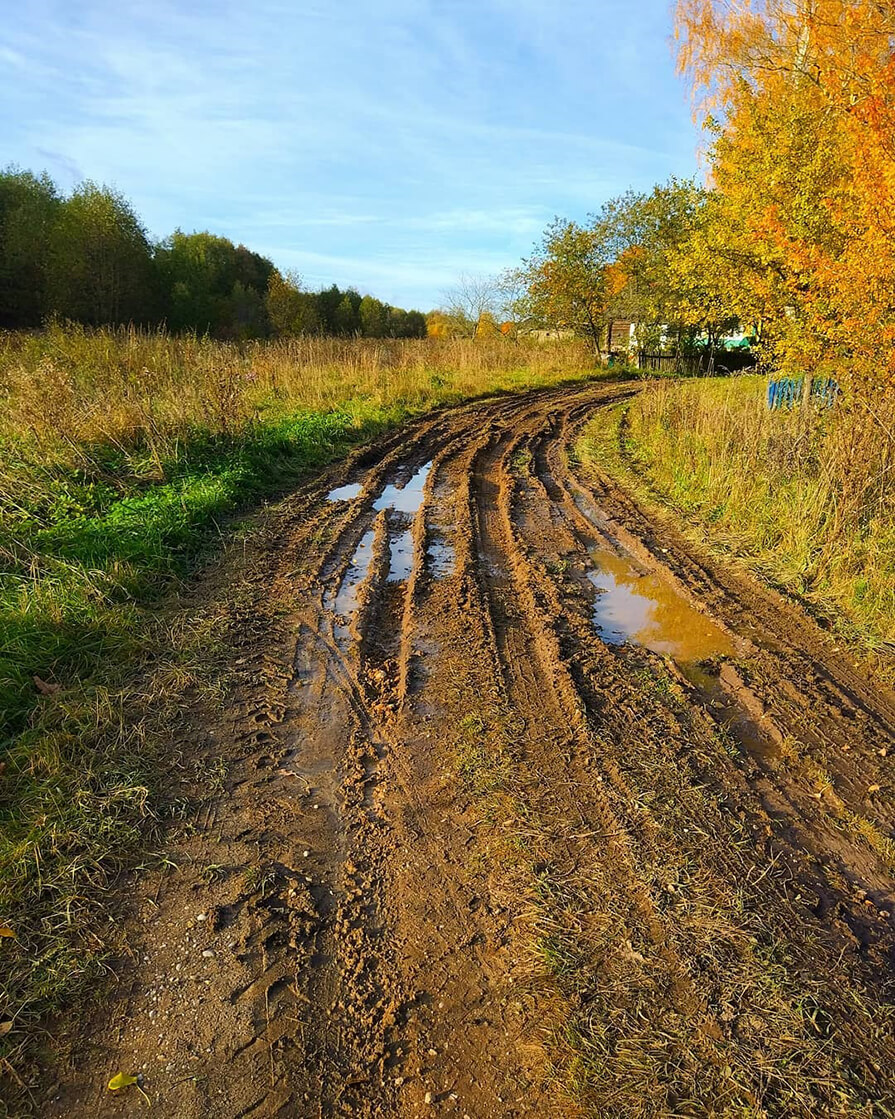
x=398 y=326
x=101 y=266
x=29 y=210
x=416 y=324
x=374 y=317
x=328 y=302
x=208 y=281
x=347 y=320
x=291 y=310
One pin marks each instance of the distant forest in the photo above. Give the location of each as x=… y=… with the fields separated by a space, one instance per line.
x=87 y=257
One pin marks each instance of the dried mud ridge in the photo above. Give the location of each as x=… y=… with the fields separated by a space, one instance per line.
x=523 y=809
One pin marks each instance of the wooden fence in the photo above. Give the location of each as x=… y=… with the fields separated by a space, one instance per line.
x=698 y=365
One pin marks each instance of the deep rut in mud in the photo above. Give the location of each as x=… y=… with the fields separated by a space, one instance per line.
x=528 y=810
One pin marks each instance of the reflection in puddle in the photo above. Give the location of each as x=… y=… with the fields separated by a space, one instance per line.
x=644 y=609
x=346 y=596
x=400 y=556
x=587 y=507
x=402 y=501
x=631 y=606
x=406 y=498
x=440 y=558
x=345 y=493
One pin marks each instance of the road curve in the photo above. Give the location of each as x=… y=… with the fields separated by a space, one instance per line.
x=526 y=807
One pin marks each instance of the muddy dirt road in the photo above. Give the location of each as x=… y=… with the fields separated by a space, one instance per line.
x=522 y=808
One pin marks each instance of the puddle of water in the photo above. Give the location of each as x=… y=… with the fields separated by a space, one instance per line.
x=400 y=556
x=440 y=558
x=646 y=610
x=346 y=597
x=405 y=498
x=345 y=493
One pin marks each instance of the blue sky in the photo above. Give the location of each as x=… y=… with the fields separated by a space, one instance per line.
x=391 y=145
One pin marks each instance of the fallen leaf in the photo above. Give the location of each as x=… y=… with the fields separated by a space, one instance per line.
x=121 y=1080
x=46 y=689
x=873 y=789
x=5 y=1027
x=5 y=930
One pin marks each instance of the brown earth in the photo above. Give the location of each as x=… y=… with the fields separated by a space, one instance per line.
x=464 y=850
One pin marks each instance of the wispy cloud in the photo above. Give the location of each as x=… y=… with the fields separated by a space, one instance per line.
x=402 y=139
x=62 y=167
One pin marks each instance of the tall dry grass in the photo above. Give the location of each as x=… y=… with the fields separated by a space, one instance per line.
x=806 y=497
x=70 y=387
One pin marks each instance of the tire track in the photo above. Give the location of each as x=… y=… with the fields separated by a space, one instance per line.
x=467 y=856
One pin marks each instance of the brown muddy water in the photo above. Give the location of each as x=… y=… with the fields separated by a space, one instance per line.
x=633 y=606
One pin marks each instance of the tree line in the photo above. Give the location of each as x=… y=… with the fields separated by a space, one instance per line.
x=633 y=261
x=87 y=257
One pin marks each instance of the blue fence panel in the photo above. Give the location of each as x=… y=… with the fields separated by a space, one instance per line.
x=787 y=391
x=825 y=390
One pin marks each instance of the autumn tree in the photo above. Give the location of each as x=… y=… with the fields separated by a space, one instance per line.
x=566 y=282
x=440 y=325
x=800 y=95
x=673 y=260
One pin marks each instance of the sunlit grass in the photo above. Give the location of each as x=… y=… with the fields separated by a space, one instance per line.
x=808 y=502
x=124 y=457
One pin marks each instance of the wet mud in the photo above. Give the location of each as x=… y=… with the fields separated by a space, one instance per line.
x=530 y=809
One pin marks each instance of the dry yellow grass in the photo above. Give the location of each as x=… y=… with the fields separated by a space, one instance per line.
x=806 y=498
x=67 y=387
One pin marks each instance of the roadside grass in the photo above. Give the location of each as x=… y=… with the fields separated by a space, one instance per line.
x=80 y=801
x=87 y=557
x=125 y=459
x=806 y=504
x=694 y=1001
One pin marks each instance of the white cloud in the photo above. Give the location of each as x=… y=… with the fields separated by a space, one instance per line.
x=404 y=139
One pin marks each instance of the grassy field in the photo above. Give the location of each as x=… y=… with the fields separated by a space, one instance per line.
x=807 y=501
x=121 y=454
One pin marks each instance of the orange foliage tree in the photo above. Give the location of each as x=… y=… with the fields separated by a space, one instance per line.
x=801 y=97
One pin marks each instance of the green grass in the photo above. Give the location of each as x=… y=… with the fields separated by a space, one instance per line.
x=126 y=461
x=806 y=502
x=93 y=550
